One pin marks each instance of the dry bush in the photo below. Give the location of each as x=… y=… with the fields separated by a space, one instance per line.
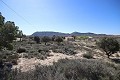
x=65 y=69
x=65 y=48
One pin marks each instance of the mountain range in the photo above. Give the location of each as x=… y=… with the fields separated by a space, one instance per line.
x=50 y=34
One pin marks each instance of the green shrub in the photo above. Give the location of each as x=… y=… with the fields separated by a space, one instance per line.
x=10 y=47
x=31 y=42
x=46 y=39
x=88 y=55
x=68 y=51
x=37 y=39
x=25 y=55
x=59 y=39
x=20 y=50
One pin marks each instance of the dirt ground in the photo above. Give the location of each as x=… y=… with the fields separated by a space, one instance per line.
x=29 y=64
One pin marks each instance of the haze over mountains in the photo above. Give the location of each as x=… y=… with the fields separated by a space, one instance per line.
x=51 y=33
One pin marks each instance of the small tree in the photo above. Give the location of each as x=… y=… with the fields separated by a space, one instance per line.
x=109 y=45
x=46 y=39
x=37 y=39
x=58 y=39
x=8 y=33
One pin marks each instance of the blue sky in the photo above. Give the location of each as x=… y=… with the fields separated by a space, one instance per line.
x=97 y=16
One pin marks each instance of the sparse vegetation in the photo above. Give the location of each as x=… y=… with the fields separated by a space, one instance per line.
x=66 y=69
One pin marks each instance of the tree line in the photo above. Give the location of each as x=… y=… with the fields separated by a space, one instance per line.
x=46 y=39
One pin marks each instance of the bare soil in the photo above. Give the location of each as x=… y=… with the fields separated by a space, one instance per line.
x=26 y=64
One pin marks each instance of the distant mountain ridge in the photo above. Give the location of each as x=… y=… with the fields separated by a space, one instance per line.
x=50 y=34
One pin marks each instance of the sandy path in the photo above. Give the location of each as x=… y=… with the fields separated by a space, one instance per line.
x=29 y=64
